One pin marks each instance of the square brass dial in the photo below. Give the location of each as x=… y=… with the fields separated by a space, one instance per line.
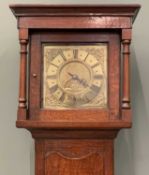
x=74 y=76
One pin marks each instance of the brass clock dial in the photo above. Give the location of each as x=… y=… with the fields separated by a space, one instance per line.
x=75 y=76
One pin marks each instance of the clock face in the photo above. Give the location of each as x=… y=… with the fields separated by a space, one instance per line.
x=75 y=76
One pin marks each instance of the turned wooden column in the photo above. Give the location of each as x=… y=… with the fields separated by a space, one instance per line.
x=22 y=108
x=126 y=40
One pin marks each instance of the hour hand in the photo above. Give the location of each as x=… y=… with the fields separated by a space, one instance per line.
x=70 y=74
x=74 y=76
x=81 y=81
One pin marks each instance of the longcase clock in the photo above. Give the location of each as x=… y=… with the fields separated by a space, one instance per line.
x=74 y=92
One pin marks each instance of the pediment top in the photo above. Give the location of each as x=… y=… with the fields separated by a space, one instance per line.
x=130 y=10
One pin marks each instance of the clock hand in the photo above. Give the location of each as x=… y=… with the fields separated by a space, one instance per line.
x=76 y=77
x=70 y=74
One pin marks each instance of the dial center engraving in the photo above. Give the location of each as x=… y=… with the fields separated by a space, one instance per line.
x=75 y=77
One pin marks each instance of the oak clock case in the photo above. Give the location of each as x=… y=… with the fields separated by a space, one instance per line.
x=74 y=93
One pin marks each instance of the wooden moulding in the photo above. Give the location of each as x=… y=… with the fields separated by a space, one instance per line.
x=75 y=125
x=20 y=10
x=74 y=22
x=74 y=134
x=66 y=16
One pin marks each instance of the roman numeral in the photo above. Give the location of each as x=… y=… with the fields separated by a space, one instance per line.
x=97 y=64
x=51 y=76
x=90 y=95
x=62 y=55
x=62 y=97
x=86 y=56
x=85 y=99
x=98 y=76
x=75 y=53
x=53 y=88
x=54 y=65
x=94 y=88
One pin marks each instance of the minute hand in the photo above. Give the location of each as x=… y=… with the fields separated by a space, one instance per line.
x=76 y=77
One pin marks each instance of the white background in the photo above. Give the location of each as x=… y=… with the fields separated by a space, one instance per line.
x=17 y=146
